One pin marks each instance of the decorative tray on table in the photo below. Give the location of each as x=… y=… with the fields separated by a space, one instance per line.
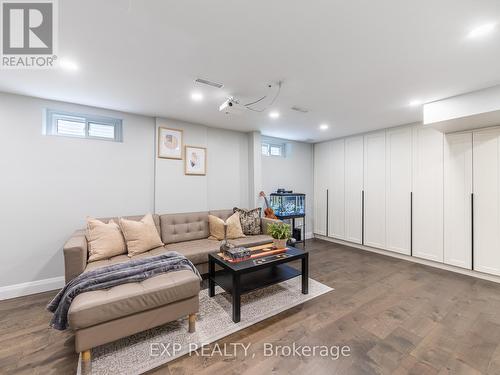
x=253 y=253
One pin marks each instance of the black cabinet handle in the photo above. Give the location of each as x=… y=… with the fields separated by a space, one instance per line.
x=362 y=217
x=327 y=211
x=411 y=223
x=472 y=228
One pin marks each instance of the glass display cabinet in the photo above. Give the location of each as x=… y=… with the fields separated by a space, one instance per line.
x=291 y=206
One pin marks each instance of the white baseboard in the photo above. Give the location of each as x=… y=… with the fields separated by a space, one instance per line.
x=31 y=287
x=463 y=271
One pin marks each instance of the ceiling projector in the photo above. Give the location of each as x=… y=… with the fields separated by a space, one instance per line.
x=231 y=105
x=226 y=105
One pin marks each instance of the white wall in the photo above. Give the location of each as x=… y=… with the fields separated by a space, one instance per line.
x=226 y=182
x=228 y=169
x=49 y=184
x=255 y=167
x=292 y=172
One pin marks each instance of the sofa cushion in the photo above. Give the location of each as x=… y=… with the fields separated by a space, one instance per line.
x=91 y=308
x=156 y=219
x=107 y=262
x=140 y=235
x=218 y=226
x=105 y=240
x=250 y=220
x=196 y=251
x=222 y=214
x=123 y=258
x=184 y=227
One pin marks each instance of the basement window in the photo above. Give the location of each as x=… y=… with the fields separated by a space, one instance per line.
x=265 y=149
x=75 y=125
x=269 y=149
x=275 y=150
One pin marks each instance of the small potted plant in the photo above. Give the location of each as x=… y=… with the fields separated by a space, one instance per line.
x=280 y=232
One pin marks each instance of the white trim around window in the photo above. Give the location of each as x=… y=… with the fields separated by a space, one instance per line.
x=273 y=149
x=76 y=125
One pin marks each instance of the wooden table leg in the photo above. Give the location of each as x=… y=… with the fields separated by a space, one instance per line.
x=86 y=355
x=192 y=323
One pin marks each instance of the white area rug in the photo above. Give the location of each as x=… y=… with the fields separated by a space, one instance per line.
x=132 y=355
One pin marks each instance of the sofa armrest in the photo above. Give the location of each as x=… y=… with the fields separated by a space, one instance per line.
x=264 y=222
x=75 y=255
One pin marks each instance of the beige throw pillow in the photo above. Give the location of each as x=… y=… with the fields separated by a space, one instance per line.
x=104 y=240
x=216 y=226
x=140 y=236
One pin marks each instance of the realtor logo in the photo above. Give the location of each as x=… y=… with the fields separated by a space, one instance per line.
x=28 y=34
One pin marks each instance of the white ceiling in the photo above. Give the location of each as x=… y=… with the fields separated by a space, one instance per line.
x=354 y=64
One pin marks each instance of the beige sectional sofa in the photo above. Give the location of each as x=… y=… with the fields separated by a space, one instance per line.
x=103 y=316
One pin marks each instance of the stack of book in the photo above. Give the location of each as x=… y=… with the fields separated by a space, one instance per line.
x=237 y=253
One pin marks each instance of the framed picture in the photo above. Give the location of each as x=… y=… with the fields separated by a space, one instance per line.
x=169 y=143
x=196 y=161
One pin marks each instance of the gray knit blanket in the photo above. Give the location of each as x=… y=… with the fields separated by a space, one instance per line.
x=109 y=276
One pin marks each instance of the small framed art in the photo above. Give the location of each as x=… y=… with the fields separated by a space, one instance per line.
x=195 y=162
x=169 y=143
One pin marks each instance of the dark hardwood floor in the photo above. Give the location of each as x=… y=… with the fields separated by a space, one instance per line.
x=396 y=316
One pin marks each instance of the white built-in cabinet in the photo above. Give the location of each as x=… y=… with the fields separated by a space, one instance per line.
x=458 y=200
x=427 y=160
x=353 y=189
x=398 y=146
x=374 y=190
x=322 y=160
x=415 y=191
x=336 y=200
x=486 y=177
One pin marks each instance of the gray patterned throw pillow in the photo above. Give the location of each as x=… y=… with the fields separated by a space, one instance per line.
x=250 y=220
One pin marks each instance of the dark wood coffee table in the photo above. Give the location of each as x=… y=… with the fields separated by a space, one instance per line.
x=243 y=277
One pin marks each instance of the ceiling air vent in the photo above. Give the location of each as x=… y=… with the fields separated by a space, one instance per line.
x=300 y=109
x=209 y=83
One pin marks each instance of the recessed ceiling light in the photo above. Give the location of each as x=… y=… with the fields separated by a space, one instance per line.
x=197 y=96
x=68 y=64
x=323 y=126
x=274 y=114
x=482 y=30
x=415 y=103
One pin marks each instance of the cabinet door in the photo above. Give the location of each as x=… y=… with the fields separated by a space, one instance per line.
x=457 y=200
x=321 y=179
x=374 y=189
x=486 y=170
x=353 y=188
x=427 y=193
x=398 y=190
x=336 y=202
